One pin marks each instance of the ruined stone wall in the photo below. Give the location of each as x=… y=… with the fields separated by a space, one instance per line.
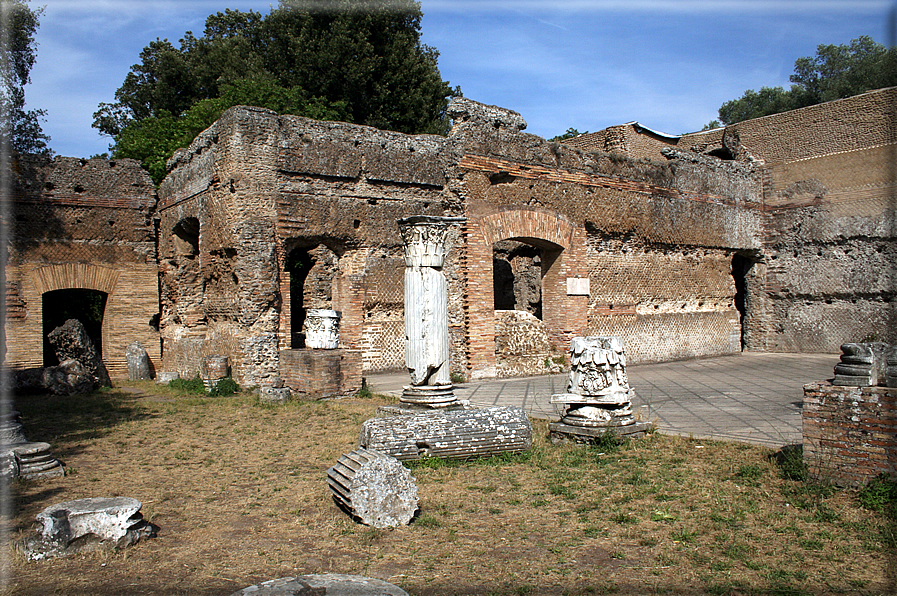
x=654 y=239
x=263 y=185
x=831 y=242
x=825 y=273
x=82 y=224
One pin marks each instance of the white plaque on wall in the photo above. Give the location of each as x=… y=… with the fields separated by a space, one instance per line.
x=577 y=286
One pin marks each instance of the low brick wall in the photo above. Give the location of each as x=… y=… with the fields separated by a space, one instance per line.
x=850 y=433
x=321 y=373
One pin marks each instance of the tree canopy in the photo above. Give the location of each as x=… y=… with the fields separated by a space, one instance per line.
x=19 y=127
x=835 y=72
x=361 y=61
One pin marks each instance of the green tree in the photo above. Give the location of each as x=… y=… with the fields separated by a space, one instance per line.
x=835 y=72
x=356 y=60
x=571 y=132
x=20 y=128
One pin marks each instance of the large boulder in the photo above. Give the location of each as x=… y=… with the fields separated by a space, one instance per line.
x=71 y=342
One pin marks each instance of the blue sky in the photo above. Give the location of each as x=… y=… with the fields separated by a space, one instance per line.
x=585 y=64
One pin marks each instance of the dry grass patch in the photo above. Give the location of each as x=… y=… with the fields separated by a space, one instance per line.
x=239 y=492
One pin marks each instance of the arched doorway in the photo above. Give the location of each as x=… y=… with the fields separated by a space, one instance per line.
x=312 y=270
x=517 y=276
x=88 y=306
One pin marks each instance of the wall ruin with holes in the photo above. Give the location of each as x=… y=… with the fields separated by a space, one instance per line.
x=824 y=275
x=679 y=253
x=82 y=224
x=258 y=186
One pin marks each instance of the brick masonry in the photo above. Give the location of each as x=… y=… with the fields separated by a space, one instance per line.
x=652 y=224
x=83 y=224
x=850 y=433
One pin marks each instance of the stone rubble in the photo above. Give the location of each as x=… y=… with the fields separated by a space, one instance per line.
x=71 y=342
x=373 y=488
x=87 y=524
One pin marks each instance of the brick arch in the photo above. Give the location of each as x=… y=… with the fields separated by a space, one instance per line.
x=564 y=243
x=85 y=276
x=74 y=275
x=528 y=224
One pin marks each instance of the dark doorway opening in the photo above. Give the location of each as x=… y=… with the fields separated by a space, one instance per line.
x=59 y=306
x=298 y=264
x=517 y=277
x=741 y=265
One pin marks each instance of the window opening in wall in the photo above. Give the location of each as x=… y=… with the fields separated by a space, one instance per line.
x=740 y=267
x=186 y=237
x=59 y=306
x=517 y=276
x=298 y=264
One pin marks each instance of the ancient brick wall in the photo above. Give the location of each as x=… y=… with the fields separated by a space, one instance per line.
x=262 y=186
x=850 y=433
x=82 y=224
x=825 y=273
x=656 y=239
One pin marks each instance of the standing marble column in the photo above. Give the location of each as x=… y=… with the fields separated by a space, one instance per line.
x=426 y=310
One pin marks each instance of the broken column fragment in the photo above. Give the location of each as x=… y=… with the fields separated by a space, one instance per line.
x=88 y=524
x=450 y=434
x=598 y=396
x=326 y=584
x=373 y=488
x=426 y=311
x=20 y=458
x=138 y=362
x=862 y=365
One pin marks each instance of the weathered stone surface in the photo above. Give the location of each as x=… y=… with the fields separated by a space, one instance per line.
x=11 y=431
x=598 y=392
x=69 y=378
x=426 y=309
x=87 y=524
x=71 y=342
x=374 y=488
x=165 y=377
x=274 y=395
x=449 y=434
x=139 y=368
x=328 y=584
x=322 y=329
x=891 y=369
x=862 y=365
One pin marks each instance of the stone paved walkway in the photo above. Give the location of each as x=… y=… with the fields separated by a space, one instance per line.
x=750 y=397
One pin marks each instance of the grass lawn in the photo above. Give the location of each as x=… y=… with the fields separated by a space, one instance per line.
x=238 y=490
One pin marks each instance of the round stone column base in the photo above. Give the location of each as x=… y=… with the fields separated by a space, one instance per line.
x=434 y=396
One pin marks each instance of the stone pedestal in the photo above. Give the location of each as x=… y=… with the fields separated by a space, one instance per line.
x=598 y=398
x=315 y=374
x=322 y=328
x=426 y=310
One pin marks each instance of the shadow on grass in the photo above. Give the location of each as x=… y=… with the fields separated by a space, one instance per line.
x=67 y=421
